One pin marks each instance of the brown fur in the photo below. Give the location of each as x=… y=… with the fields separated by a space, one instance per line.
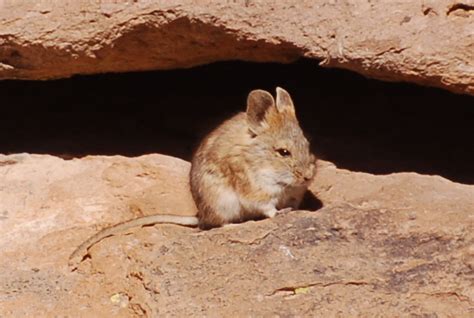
x=241 y=146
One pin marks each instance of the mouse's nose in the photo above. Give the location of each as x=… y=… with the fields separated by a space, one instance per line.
x=308 y=175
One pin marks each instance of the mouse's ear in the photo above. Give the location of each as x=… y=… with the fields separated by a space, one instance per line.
x=259 y=104
x=284 y=103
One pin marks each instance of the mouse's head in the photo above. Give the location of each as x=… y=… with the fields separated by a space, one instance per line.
x=278 y=143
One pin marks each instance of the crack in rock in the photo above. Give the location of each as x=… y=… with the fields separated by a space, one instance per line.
x=303 y=289
x=457 y=7
x=459 y=297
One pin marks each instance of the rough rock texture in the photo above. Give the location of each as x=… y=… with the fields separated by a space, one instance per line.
x=429 y=42
x=394 y=245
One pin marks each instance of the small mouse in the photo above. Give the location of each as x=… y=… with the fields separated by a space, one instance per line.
x=253 y=166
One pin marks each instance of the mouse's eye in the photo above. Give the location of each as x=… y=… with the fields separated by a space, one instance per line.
x=283 y=152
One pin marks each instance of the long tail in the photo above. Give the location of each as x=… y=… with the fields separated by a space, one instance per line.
x=78 y=255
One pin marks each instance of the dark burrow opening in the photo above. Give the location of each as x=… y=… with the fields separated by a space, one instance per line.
x=357 y=123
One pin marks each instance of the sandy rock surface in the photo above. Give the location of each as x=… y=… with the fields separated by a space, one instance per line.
x=393 y=245
x=428 y=42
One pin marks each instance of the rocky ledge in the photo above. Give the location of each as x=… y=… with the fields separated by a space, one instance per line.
x=389 y=245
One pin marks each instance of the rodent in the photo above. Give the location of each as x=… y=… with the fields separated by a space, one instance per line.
x=254 y=165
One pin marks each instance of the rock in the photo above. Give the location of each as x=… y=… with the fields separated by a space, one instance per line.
x=428 y=42
x=392 y=245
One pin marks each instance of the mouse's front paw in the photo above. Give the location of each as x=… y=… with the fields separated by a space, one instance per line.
x=272 y=212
